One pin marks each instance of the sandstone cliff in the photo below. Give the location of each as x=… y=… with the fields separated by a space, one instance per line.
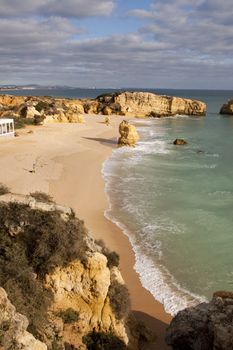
x=13 y=328
x=42 y=110
x=227 y=108
x=145 y=104
x=67 y=285
x=206 y=326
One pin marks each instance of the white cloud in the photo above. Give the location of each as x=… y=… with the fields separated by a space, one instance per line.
x=180 y=44
x=64 y=8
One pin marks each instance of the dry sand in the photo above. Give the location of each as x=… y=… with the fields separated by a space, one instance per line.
x=65 y=160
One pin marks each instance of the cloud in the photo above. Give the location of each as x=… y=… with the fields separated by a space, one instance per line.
x=205 y=27
x=63 y=8
x=179 y=44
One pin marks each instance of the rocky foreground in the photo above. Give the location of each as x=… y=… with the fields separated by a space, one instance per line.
x=60 y=289
x=208 y=326
x=136 y=104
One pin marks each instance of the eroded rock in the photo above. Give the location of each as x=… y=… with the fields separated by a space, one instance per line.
x=145 y=104
x=208 y=326
x=129 y=135
x=227 y=108
x=180 y=142
x=13 y=328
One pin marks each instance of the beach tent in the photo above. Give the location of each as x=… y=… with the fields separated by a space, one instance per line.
x=6 y=127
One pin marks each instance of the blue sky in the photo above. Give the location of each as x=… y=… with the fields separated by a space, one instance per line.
x=115 y=43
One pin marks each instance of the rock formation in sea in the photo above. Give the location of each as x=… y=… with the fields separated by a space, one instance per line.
x=227 y=108
x=129 y=135
x=204 y=327
x=180 y=142
x=65 y=288
x=145 y=104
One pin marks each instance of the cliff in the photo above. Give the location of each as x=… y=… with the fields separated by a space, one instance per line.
x=206 y=326
x=42 y=110
x=66 y=287
x=13 y=328
x=144 y=104
x=227 y=108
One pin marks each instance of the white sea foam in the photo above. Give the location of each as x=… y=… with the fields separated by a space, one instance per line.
x=155 y=278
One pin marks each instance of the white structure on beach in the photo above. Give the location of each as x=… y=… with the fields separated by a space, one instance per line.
x=7 y=127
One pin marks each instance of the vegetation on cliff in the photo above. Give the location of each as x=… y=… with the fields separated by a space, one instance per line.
x=34 y=246
x=39 y=110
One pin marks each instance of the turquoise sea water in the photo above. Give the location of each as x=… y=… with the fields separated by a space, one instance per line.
x=175 y=203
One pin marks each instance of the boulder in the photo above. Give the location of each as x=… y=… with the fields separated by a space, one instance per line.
x=129 y=135
x=91 y=107
x=31 y=112
x=75 y=118
x=107 y=111
x=207 y=326
x=227 y=108
x=180 y=142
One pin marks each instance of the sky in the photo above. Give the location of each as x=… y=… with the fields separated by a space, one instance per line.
x=117 y=43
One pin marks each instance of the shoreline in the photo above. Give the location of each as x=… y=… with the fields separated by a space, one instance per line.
x=69 y=160
x=144 y=305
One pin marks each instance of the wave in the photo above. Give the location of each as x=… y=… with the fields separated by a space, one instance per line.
x=154 y=277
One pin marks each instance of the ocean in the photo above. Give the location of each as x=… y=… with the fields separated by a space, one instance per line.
x=175 y=203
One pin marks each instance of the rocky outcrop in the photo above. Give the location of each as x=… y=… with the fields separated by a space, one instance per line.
x=204 y=327
x=227 y=108
x=13 y=328
x=59 y=110
x=145 y=104
x=129 y=135
x=66 y=284
x=84 y=288
x=42 y=109
x=180 y=142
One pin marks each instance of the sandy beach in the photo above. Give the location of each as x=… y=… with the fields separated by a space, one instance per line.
x=65 y=160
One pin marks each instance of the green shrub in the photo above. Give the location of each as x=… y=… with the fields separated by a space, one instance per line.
x=119 y=299
x=42 y=105
x=103 y=341
x=42 y=197
x=3 y=189
x=20 y=123
x=43 y=242
x=112 y=257
x=69 y=315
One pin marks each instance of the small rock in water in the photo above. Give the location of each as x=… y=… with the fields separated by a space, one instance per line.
x=180 y=142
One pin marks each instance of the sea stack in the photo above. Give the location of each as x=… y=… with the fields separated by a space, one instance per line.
x=180 y=142
x=227 y=108
x=129 y=135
